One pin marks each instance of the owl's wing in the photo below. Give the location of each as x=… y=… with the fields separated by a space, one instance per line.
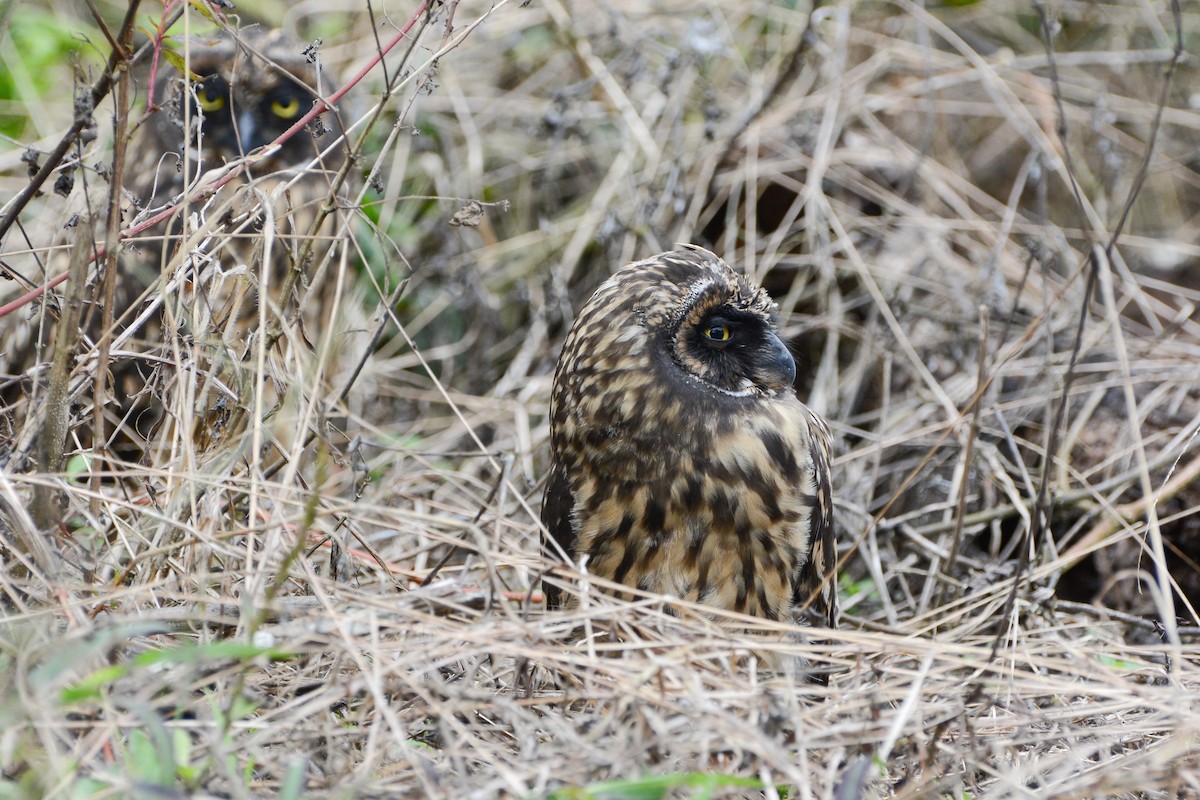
x=818 y=580
x=556 y=516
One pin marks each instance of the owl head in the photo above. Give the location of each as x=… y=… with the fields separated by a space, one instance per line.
x=721 y=330
x=243 y=93
x=666 y=354
x=682 y=319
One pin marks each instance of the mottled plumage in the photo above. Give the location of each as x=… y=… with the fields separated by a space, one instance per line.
x=682 y=462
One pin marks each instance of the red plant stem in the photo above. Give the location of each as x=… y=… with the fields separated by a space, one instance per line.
x=320 y=107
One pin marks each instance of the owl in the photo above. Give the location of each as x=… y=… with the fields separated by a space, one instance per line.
x=682 y=462
x=244 y=90
x=190 y=289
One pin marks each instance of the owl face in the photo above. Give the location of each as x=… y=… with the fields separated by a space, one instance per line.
x=243 y=101
x=688 y=326
x=727 y=341
x=663 y=350
x=234 y=126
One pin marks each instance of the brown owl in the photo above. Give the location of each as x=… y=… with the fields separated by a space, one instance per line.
x=682 y=462
x=190 y=289
x=244 y=91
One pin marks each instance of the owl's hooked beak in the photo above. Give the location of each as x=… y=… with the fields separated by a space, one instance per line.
x=775 y=368
x=248 y=132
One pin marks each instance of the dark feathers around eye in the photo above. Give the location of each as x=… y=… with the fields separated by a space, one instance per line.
x=212 y=95
x=210 y=105
x=724 y=362
x=238 y=127
x=736 y=351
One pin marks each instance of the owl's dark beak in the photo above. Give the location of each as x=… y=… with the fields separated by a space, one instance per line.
x=776 y=369
x=248 y=133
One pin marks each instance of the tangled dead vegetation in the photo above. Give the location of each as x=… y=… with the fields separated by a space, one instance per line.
x=979 y=222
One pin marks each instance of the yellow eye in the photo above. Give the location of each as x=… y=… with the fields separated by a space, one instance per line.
x=211 y=99
x=286 y=107
x=718 y=333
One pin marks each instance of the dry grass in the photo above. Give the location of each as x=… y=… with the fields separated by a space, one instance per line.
x=344 y=601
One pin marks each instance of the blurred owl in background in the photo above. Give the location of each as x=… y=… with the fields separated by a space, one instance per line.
x=261 y=231
x=241 y=95
x=195 y=288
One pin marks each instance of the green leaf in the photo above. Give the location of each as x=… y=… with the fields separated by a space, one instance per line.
x=1117 y=663
x=292 y=787
x=79 y=466
x=242 y=707
x=89 y=687
x=181 y=746
x=38 y=62
x=68 y=657
x=203 y=8
x=176 y=60
x=655 y=787
x=213 y=651
x=146 y=760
